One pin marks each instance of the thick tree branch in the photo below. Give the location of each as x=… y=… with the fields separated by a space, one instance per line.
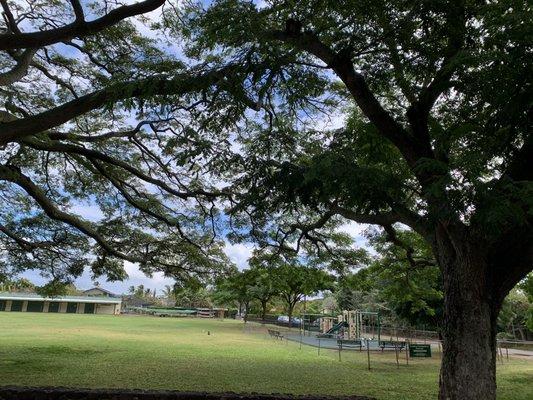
x=392 y=237
x=510 y=259
x=342 y=65
x=19 y=70
x=10 y=19
x=418 y=112
x=78 y=28
x=101 y=137
x=78 y=10
x=149 y=87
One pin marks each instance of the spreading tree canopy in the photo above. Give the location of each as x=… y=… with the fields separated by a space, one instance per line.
x=293 y=117
x=82 y=128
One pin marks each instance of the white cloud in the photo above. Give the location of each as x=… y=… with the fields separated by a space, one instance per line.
x=239 y=253
x=353 y=229
x=89 y=212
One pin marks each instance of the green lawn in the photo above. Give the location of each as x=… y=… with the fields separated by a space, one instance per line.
x=172 y=353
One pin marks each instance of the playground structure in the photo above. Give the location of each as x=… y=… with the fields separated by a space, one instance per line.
x=350 y=325
x=362 y=324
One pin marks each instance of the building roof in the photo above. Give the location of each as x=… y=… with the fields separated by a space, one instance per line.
x=102 y=290
x=68 y=299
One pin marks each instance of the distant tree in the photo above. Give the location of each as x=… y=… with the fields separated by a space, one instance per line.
x=265 y=281
x=297 y=280
x=408 y=281
x=17 y=285
x=170 y=294
x=527 y=286
x=236 y=288
x=514 y=314
x=194 y=297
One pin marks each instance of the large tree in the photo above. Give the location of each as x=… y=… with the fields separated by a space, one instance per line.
x=439 y=139
x=73 y=138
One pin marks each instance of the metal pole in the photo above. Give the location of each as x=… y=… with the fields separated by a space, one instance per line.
x=340 y=349
x=507 y=351
x=368 y=353
x=396 y=351
x=379 y=328
x=318 y=346
x=407 y=352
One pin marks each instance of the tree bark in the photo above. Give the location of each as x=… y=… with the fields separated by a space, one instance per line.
x=246 y=308
x=263 y=309
x=468 y=370
x=290 y=310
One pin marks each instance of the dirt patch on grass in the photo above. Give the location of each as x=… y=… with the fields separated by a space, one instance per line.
x=59 y=393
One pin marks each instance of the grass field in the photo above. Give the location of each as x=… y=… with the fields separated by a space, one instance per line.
x=171 y=353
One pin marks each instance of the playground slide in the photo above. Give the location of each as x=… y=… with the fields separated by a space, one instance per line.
x=337 y=327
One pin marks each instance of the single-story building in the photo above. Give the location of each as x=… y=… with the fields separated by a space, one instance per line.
x=31 y=302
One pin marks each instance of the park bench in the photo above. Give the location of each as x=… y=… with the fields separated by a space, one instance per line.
x=349 y=344
x=390 y=344
x=275 y=334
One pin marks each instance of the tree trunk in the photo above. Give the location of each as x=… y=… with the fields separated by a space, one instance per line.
x=263 y=309
x=289 y=312
x=468 y=370
x=246 y=308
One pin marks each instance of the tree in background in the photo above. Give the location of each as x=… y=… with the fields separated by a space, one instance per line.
x=236 y=289
x=266 y=280
x=513 y=317
x=408 y=281
x=527 y=286
x=194 y=298
x=142 y=292
x=17 y=285
x=296 y=281
x=265 y=288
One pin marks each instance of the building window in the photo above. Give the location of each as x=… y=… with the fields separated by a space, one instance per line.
x=16 y=305
x=89 y=308
x=35 y=306
x=72 y=308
